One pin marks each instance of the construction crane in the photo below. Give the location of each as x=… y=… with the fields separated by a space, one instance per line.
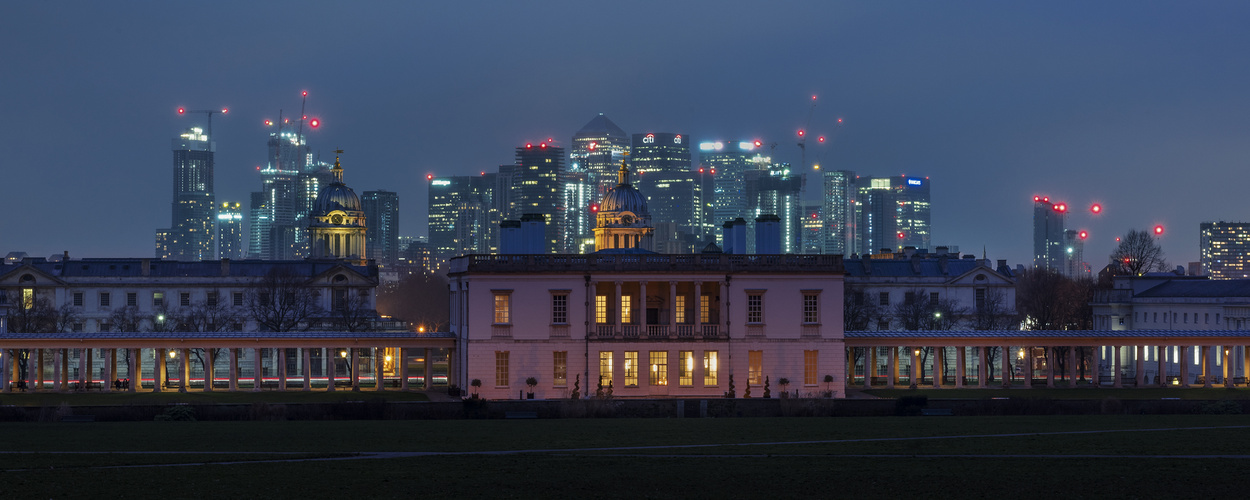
x=209 y=112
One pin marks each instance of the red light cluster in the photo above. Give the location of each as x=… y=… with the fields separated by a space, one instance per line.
x=1060 y=207
x=1158 y=230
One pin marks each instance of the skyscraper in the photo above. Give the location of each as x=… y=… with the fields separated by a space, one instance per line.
x=776 y=191
x=661 y=163
x=459 y=216
x=598 y=149
x=1048 y=218
x=537 y=189
x=1225 y=248
x=230 y=231
x=1074 y=264
x=190 y=236
x=728 y=163
x=893 y=213
x=813 y=229
x=290 y=182
x=838 y=212
x=582 y=204
x=382 y=234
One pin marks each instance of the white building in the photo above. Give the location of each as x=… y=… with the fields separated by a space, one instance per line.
x=968 y=286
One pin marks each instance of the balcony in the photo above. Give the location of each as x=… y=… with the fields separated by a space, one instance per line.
x=810 y=331
x=685 y=331
x=655 y=331
x=559 y=331
x=500 y=331
x=711 y=331
x=755 y=330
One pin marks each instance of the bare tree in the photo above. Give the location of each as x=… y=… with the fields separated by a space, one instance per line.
x=419 y=298
x=1138 y=253
x=126 y=319
x=351 y=311
x=992 y=313
x=858 y=311
x=1049 y=300
x=281 y=301
x=208 y=316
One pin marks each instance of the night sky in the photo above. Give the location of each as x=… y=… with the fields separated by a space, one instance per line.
x=1140 y=106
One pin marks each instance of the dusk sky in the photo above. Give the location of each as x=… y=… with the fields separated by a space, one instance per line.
x=1139 y=106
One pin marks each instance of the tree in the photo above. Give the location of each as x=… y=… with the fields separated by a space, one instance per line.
x=281 y=301
x=992 y=313
x=208 y=316
x=351 y=311
x=1048 y=300
x=858 y=311
x=1138 y=253
x=919 y=311
x=33 y=314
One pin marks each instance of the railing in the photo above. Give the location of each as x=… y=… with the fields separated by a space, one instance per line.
x=755 y=330
x=604 y=331
x=559 y=331
x=811 y=331
x=657 y=330
x=630 y=331
x=685 y=331
x=500 y=330
x=658 y=262
x=711 y=331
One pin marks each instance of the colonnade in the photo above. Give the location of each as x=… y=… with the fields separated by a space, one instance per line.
x=59 y=358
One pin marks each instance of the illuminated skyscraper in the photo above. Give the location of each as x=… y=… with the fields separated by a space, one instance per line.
x=1048 y=249
x=661 y=163
x=838 y=212
x=776 y=191
x=728 y=163
x=459 y=216
x=382 y=235
x=1074 y=264
x=190 y=236
x=579 y=198
x=537 y=189
x=893 y=213
x=1225 y=248
x=813 y=229
x=230 y=231
x=598 y=149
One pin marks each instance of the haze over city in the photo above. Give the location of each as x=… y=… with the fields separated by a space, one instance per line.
x=1136 y=107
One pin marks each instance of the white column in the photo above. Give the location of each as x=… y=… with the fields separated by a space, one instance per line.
x=258 y=380
x=185 y=365
x=307 y=368
x=1184 y=364
x=641 y=307
x=5 y=370
x=938 y=354
x=1072 y=371
x=891 y=363
x=1206 y=366
x=57 y=360
x=234 y=369
x=959 y=366
x=109 y=356
x=209 y=361
x=1051 y=360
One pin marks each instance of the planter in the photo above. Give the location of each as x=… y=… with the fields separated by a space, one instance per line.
x=529 y=395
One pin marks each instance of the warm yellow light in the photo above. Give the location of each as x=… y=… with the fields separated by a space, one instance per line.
x=917 y=352
x=713 y=364
x=690 y=364
x=1020 y=354
x=342 y=354
x=654 y=367
x=815 y=167
x=173 y=354
x=388 y=358
x=421 y=329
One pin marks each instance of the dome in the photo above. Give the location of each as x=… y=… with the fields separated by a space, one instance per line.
x=336 y=196
x=624 y=197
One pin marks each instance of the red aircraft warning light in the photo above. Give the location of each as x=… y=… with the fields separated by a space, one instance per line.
x=1037 y=199
x=225 y=110
x=182 y=110
x=592 y=146
x=1158 y=230
x=542 y=146
x=1060 y=207
x=268 y=123
x=429 y=177
x=529 y=146
x=1083 y=234
x=900 y=235
x=820 y=139
x=594 y=207
x=802 y=133
x=1095 y=208
x=314 y=123
x=304 y=94
x=758 y=143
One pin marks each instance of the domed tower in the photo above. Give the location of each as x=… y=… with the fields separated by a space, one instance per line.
x=623 y=221
x=337 y=224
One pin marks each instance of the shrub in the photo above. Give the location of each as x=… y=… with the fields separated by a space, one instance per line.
x=1224 y=407
x=910 y=405
x=177 y=413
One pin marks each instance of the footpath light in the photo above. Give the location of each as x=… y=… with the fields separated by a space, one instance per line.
x=342 y=354
x=173 y=354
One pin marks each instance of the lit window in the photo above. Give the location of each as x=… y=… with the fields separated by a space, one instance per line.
x=755 y=367
x=811 y=308
x=681 y=309
x=631 y=368
x=560 y=371
x=755 y=308
x=685 y=368
x=705 y=309
x=501 y=368
x=659 y=367
x=28 y=298
x=626 y=311
x=709 y=368
x=560 y=308
x=158 y=299
x=605 y=368
x=503 y=308
x=809 y=367
x=601 y=309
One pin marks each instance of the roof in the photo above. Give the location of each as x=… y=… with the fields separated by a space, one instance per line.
x=133 y=267
x=1033 y=334
x=1199 y=288
x=601 y=125
x=220 y=335
x=908 y=267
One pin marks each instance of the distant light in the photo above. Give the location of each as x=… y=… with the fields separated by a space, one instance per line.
x=182 y=110
x=815 y=167
x=900 y=235
x=1046 y=199
x=550 y=140
x=1158 y=230
x=314 y=123
x=286 y=120
x=483 y=172
x=758 y=143
x=304 y=93
x=1037 y=198
x=592 y=146
x=813 y=97
x=305 y=117
x=745 y=146
x=225 y=110
x=1095 y=208
x=594 y=207
x=429 y=177
x=814 y=216
x=802 y=133
x=700 y=170
x=1062 y=207
x=1117 y=239
x=1083 y=234
x=820 y=139
x=839 y=120
x=542 y=146
x=713 y=170
x=529 y=146
x=268 y=123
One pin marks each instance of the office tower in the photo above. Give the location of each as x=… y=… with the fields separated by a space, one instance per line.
x=582 y=204
x=1074 y=254
x=838 y=212
x=280 y=189
x=598 y=149
x=1225 y=248
x=705 y=206
x=382 y=234
x=162 y=243
x=662 y=168
x=459 y=216
x=316 y=175
x=257 y=226
x=191 y=231
x=537 y=189
x=290 y=182
x=893 y=213
x=775 y=191
x=230 y=231
x=1048 y=229
x=814 y=231
x=728 y=164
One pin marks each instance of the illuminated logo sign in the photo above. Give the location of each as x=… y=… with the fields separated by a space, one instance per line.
x=441 y=182
x=913 y=182
x=677 y=140
x=650 y=138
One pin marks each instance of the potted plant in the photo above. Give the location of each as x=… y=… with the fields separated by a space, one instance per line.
x=767 y=392
x=577 y=387
x=828 y=387
x=531 y=382
x=475 y=383
x=784 y=382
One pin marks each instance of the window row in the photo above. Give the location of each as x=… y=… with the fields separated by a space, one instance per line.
x=628 y=309
x=1183 y=318
x=704 y=366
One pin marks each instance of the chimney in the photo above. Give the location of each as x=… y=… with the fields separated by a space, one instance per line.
x=533 y=233
x=915 y=263
x=727 y=237
x=65 y=256
x=943 y=260
x=510 y=237
x=768 y=234
x=1002 y=265
x=145 y=267
x=740 y=235
x=225 y=267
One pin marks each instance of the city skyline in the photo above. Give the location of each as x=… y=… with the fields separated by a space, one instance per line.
x=1101 y=104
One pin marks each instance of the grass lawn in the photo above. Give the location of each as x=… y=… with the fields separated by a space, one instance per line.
x=928 y=457
x=1215 y=393
x=222 y=397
